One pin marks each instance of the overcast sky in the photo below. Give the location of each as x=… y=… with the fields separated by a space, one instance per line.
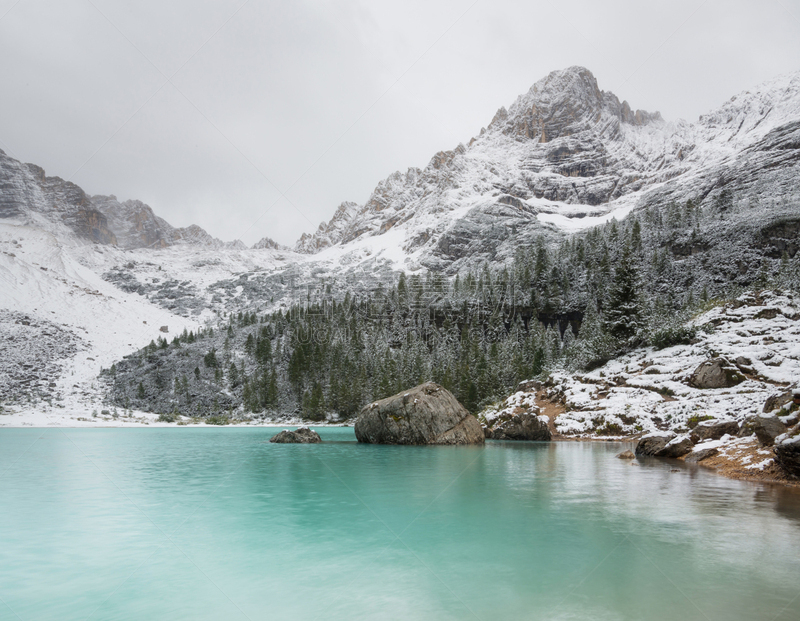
x=258 y=118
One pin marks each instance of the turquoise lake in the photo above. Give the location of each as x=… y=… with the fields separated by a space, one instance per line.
x=216 y=523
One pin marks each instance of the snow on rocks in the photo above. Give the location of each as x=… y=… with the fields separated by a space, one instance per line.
x=650 y=390
x=32 y=354
x=517 y=418
x=77 y=323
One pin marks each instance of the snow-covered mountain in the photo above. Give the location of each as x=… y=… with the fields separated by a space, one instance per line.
x=567 y=155
x=27 y=193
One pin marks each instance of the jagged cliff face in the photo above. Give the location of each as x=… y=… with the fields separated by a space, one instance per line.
x=268 y=243
x=137 y=226
x=26 y=192
x=24 y=188
x=564 y=154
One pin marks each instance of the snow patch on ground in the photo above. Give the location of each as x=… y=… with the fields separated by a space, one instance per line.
x=647 y=390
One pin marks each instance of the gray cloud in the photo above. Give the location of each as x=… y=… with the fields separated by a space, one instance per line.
x=319 y=100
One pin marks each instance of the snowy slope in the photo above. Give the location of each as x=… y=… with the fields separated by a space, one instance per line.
x=44 y=281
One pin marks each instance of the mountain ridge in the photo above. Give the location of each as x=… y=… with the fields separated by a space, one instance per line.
x=564 y=148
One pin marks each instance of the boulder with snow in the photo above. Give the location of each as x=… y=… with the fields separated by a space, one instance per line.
x=426 y=414
x=777 y=401
x=301 y=435
x=787 y=453
x=677 y=447
x=713 y=430
x=767 y=427
x=652 y=443
x=518 y=419
x=716 y=373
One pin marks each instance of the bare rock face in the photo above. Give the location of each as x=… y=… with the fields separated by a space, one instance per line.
x=301 y=435
x=427 y=414
x=652 y=443
x=714 y=430
x=716 y=373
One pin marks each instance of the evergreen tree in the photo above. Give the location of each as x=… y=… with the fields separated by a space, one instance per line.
x=623 y=314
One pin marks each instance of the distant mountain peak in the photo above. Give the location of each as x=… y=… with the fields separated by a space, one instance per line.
x=564 y=103
x=564 y=154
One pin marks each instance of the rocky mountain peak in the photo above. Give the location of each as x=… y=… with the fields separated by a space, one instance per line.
x=564 y=103
x=267 y=243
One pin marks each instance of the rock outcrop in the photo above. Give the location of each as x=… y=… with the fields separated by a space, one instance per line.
x=777 y=401
x=714 y=430
x=665 y=444
x=426 y=414
x=301 y=435
x=520 y=426
x=519 y=418
x=787 y=454
x=716 y=373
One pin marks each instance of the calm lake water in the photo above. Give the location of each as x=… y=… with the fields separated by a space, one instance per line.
x=209 y=523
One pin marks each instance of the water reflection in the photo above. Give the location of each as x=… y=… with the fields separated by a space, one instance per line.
x=505 y=531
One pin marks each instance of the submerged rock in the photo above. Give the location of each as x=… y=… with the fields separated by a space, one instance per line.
x=301 y=435
x=716 y=373
x=426 y=414
x=626 y=455
x=652 y=443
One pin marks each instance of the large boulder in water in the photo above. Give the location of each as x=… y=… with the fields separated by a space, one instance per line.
x=677 y=447
x=652 y=443
x=427 y=414
x=301 y=435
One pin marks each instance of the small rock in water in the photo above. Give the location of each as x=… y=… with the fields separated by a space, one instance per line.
x=626 y=455
x=301 y=435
